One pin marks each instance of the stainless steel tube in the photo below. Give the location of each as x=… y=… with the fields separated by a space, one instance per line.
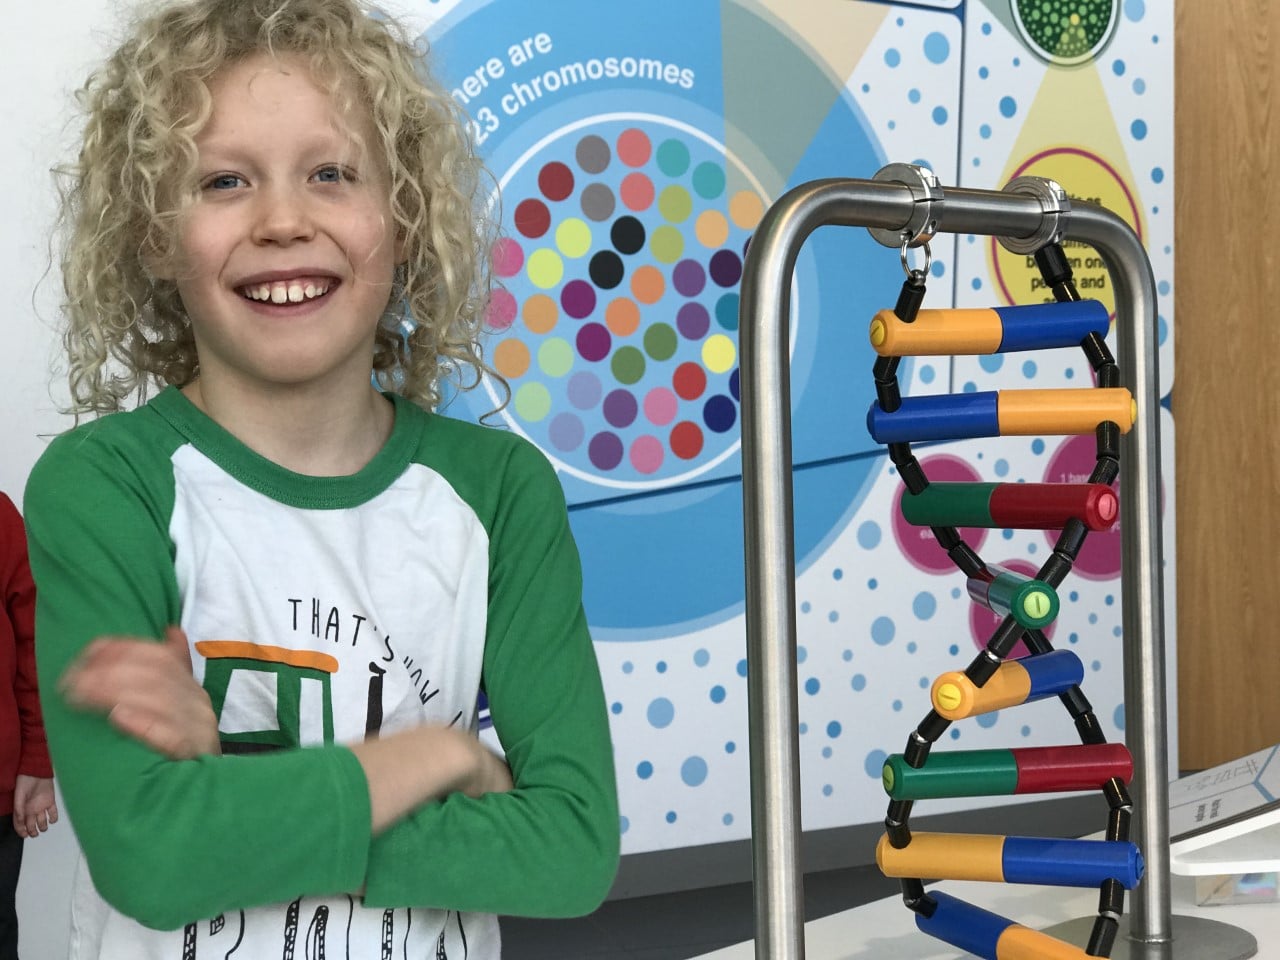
x=768 y=521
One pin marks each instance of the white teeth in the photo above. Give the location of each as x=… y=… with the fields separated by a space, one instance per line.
x=294 y=291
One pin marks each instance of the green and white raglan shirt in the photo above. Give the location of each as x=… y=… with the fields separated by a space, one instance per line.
x=320 y=611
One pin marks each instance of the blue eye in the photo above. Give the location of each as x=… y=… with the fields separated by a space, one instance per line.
x=223 y=181
x=330 y=175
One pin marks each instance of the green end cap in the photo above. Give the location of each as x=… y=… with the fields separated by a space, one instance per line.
x=1035 y=605
x=888 y=776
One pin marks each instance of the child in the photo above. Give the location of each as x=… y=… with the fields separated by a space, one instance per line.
x=268 y=199
x=26 y=788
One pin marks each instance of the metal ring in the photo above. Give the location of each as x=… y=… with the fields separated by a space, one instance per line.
x=906 y=267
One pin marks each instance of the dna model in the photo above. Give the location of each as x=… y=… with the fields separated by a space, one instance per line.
x=993 y=681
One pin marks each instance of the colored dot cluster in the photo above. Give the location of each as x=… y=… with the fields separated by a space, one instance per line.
x=621 y=270
x=1066 y=29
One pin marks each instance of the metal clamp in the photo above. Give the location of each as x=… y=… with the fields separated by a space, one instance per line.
x=1054 y=203
x=926 y=210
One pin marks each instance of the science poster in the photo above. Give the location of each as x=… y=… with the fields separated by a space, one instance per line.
x=635 y=148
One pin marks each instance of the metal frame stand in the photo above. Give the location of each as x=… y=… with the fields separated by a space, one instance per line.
x=769 y=524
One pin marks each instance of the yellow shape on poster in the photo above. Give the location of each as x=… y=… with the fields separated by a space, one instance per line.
x=1088 y=161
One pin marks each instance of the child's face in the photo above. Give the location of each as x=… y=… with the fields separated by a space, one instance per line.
x=286 y=257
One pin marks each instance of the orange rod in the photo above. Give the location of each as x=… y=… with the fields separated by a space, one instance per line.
x=936 y=333
x=944 y=856
x=1062 y=412
x=956 y=697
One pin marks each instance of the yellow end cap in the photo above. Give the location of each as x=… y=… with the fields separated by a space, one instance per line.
x=1133 y=411
x=879 y=333
x=948 y=696
x=886 y=778
x=1036 y=605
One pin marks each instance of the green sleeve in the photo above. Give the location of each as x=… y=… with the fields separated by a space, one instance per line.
x=166 y=841
x=549 y=847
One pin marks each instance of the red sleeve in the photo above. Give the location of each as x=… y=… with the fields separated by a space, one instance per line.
x=20 y=606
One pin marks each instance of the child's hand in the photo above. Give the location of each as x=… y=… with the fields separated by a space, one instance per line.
x=147 y=692
x=34 y=805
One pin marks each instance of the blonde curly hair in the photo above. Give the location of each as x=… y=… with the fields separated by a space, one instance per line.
x=127 y=330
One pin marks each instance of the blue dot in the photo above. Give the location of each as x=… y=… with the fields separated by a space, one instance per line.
x=955 y=733
x=892 y=57
x=940 y=115
x=897 y=705
x=984 y=131
x=812 y=686
x=911 y=647
x=717 y=694
x=644 y=770
x=913 y=95
x=1026 y=731
x=873 y=583
x=628 y=666
x=1017 y=61
x=833 y=729
x=882 y=631
x=1069 y=373
x=977 y=283
x=802 y=654
x=1118 y=68
x=804 y=727
x=730 y=747
x=924 y=605
x=826 y=753
x=1032 y=547
x=866 y=88
x=969 y=387
x=661 y=666
x=1139 y=129
x=1157 y=175
x=1095 y=666
x=701 y=657
x=615 y=707
x=727 y=819
x=953 y=649
x=623 y=824
x=1135 y=9
x=1093 y=618
x=1117 y=632
x=1163 y=327
x=988 y=720
x=991 y=362
x=661 y=712
x=936 y=48
x=1008 y=106
x=671 y=816
x=847 y=656
x=742 y=668
x=924 y=683
x=1073 y=638
x=977 y=161
x=1001 y=467
x=805 y=606
x=983 y=73
x=938 y=268
x=826 y=789
x=1037 y=446
x=837 y=574
x=1029 y=369
x=1073 y=596
x=1007 y=534
x=833 y=616
x=1163 y=288
x=893 y=125
x=693 y=771
x=1139 y=86
x=1118 y=717
x=927 y=374
x=859 y=682
x=874 y=764
x=869 y=535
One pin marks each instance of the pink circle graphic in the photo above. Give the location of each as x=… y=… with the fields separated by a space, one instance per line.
x=660 y=406
x=646 y=454
x=501 y=312
x=508 y=257
x=918 y=543
x=983 y=623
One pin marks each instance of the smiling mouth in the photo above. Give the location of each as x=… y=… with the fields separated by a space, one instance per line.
x=288 y=291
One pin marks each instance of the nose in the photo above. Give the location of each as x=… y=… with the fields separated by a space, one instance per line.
x=282 y=217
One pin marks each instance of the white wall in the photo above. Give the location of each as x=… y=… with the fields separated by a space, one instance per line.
x=45 y=50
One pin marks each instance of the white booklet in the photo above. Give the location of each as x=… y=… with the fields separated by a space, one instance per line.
x=1227 y=819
